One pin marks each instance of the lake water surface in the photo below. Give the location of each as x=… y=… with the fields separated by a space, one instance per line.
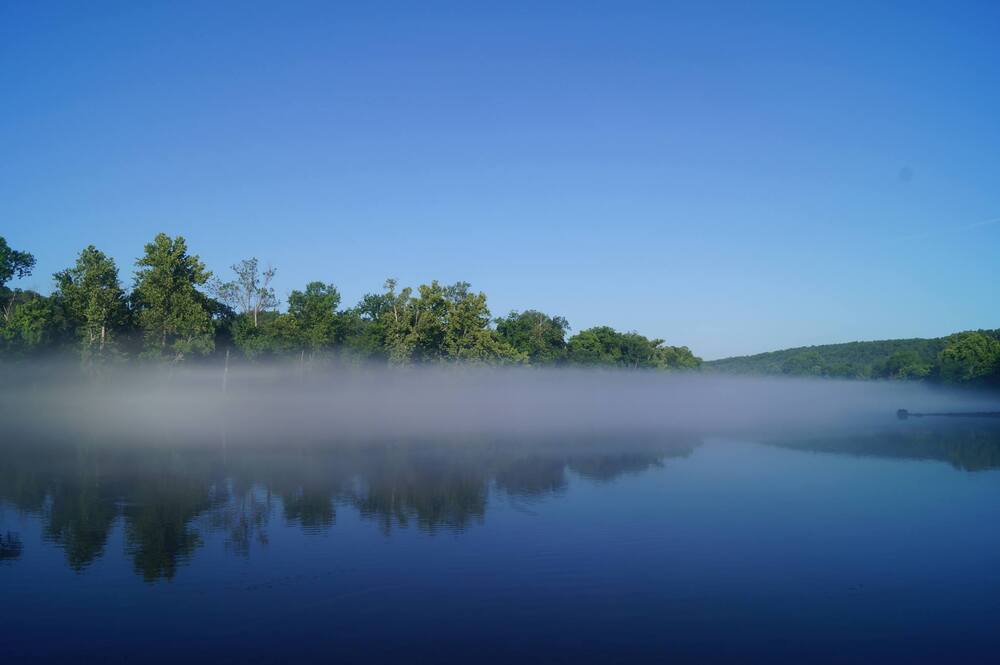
x=879 y=543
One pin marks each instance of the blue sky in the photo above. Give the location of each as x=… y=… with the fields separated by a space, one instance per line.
x=732 y=178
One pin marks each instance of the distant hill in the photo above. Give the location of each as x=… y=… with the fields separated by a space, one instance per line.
x=967 y=357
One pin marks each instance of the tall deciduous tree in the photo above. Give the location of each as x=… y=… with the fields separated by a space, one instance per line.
x=13 y=263
x=250 y=293
x=468 y=335
x=400 y=323
x=172 y=313
x=315 y=313
x=94 y=301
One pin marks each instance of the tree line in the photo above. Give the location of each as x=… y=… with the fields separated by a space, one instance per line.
x=966 y=358
x=177 y=310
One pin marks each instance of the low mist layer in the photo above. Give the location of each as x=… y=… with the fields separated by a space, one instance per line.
x=280 y=403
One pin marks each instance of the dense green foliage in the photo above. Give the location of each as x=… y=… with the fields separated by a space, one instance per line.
x=177 y=311
x=94 y=303
x=606 y=346
x=540 y=337
x=13 y=263
x=963 y=358
x=174 y=317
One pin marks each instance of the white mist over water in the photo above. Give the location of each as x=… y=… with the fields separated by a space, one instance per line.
x=281 y=403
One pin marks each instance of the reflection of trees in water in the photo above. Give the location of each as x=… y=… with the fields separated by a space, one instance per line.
x=242 y=513
x=79 y=492
x=77 y=508
x=431 y=486
x=542 y=475
x=306 y=481
x=10 y=546
x=170 y=491
x=169 y=498
x=531 y=476
x=610 y=467
x=970 y=447
x=78 y=517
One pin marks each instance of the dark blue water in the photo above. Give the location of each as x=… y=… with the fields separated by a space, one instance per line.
x=879 y=546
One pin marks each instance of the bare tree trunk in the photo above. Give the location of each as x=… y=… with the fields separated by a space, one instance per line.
x=8 y=308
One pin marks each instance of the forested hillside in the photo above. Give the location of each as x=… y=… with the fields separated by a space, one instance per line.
x=965 y=357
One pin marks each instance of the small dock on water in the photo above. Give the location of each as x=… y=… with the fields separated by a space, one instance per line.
x=903 y=414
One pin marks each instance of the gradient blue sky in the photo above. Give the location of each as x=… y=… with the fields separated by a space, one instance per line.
x=732 y=178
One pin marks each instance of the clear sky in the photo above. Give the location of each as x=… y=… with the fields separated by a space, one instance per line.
x=732 y=178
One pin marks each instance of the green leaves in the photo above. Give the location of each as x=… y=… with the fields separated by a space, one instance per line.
x=315 y=313
x=604 y=345
x=971 y=357
x=905 y=364
x=274 y=335
x=171 y=312
x=13 y=263
x=433 y=324
x=442 y=324
x=541 y=338
x=94 y=302
x=32 y=324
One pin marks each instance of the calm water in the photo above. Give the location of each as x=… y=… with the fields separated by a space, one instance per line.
x=877 y=544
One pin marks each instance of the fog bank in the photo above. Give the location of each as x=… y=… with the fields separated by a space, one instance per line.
x=276 y=404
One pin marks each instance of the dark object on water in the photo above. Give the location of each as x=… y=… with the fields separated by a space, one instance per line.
x=10 y=546
x=903 y=414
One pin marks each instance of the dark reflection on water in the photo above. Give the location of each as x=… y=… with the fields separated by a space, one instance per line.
x=967 y=444
x=639 y=548
x=79 y=491
x=10 y=546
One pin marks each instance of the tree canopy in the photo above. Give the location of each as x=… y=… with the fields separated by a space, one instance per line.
x=963 y=358
x=13 y=263
x=173 y=315
x=603 y=345
x=971 y=357
x=539 y=337
x=176 y=311
x=94 y=302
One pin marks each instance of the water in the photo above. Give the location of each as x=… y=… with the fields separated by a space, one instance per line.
x=866 y=543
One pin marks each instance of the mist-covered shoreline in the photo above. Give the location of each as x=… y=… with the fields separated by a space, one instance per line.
x=288 y=401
